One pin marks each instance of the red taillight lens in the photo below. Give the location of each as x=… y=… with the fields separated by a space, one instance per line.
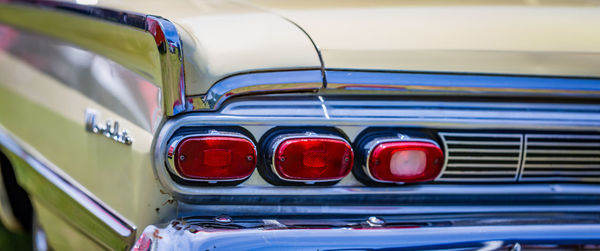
x=313 y=159
x=215 y=158
x=405 y=161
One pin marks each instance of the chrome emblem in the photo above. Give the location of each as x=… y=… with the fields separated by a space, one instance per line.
x=109 y=129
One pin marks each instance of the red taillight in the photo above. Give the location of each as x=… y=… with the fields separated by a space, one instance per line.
x=215 y=158
x=312 y=159
x=401 y=161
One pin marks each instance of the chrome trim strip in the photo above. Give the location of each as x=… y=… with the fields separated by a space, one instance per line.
x=85 y=204
x=165 y=35
x=170 y=51
x=257 y=83
x=281 y=138
x=191 y=210
x=176 y=140
x=494 y=234
x=461 y=84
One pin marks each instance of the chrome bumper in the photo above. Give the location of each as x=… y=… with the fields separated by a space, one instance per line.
x=181 y=236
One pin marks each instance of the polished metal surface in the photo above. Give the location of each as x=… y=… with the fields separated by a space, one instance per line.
x=109 y=129
x=96 y=77
x=68 y=198
x=164 y=32
x=257 y=83
x=561 y=157
x=193 y=210
x=477 y=236
x=259 y=114
x=524 y=157
x=171 y=61
x=406 y=83
x=481 y=157
x=174 y=143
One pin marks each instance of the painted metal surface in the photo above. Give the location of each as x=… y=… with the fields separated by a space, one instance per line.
x=490 y=237
x=68 y=198
x=166 y=38
x=43 y=97
x=505 y=37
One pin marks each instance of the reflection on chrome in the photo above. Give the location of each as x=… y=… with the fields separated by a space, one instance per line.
x=109 y=129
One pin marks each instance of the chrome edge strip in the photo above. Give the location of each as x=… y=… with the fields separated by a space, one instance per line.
x=257 y=83
x=171 y=61
x=165 y=35
x=456 y=84
x=102 y=213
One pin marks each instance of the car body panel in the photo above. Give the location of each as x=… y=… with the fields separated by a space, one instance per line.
x=223 y=38
x=500 y=37
x=233 y=45
x=45 y=110
x=132 y=48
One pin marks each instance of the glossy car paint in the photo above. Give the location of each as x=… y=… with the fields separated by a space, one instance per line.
x=43 y=99
x=500 y=37
x=44 y=112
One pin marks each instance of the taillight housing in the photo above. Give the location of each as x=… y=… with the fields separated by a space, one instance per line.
x=401 y=160
x=307 y=158
x=213 y=157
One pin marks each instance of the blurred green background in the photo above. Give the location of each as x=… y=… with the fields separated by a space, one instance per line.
x=11 y=241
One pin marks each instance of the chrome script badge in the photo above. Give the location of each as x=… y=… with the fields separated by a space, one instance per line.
x=109 y=129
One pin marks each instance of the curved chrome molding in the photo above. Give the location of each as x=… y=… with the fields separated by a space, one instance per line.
x=457 y=84
x=70 y=199
x=171 y=62
x=258 y=83
x=170 y=153
x=165 y=35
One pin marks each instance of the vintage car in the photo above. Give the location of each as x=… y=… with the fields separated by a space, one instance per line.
x=304 y=125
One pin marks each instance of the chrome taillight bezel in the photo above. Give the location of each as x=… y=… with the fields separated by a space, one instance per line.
x=175 y=141
x=370 y=143
x=269 y=149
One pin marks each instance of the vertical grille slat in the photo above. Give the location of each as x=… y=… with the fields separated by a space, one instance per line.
x=551 y=157
x=481 y=156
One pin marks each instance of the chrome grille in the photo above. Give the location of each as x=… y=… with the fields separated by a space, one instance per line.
x=481 y=156
x=561 y=158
